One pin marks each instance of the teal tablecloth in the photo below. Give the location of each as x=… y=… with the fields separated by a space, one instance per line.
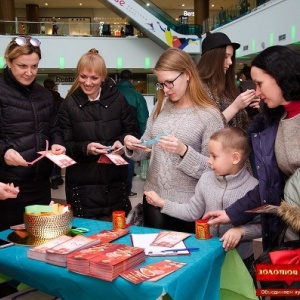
x=199 y=279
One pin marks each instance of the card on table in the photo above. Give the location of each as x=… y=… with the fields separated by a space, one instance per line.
x=152 y=272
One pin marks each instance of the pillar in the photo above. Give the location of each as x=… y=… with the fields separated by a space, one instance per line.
x=33 y=15
x=7 y=13
x=201 y=9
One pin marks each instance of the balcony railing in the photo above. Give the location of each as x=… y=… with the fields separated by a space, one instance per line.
x=69 y=26
x=83 y=27
x=229 y=14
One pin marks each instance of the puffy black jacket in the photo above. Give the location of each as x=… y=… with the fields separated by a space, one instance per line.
x=27 y=120
x=95 y=190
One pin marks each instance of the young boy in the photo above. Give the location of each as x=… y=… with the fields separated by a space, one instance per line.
x=217 y=189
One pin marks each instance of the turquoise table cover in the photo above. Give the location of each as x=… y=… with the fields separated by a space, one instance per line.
x=199 y=279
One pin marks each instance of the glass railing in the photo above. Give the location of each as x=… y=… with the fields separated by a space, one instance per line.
x=83 y=28
x=229 y=14
x=66 y=26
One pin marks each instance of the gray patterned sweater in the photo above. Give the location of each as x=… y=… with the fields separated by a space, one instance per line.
x=216 y=193
x=170 y=176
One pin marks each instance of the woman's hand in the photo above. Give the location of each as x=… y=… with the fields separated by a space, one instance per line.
x=14 y=158
x=216 y=217
x=129 y=142
x=96 y=149
x=244 y=99
x=172 y=144
x=255 y=103
x=117 y=148
x=153 y=199
x=58 y=149
x=8 y=191
x=232 y=237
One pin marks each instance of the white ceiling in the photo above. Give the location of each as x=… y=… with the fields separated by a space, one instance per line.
x=165 y=4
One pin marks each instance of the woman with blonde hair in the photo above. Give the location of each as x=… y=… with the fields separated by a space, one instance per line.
x=27 y=121
x=178 y=131
x=95 y=118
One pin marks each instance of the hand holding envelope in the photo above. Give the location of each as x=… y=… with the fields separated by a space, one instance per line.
x=56 y=155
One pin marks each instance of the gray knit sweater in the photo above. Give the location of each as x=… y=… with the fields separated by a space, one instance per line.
x=287 y=145
x=169 y=175
x=217 y=193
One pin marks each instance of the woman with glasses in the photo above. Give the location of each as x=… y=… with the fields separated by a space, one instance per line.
x=27 y=122
x=95 y=117
x=177 y=132
x=216 y=68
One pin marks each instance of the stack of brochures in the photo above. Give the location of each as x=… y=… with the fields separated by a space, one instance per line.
x=39 y=252
x=105 y=261
x=58 y=255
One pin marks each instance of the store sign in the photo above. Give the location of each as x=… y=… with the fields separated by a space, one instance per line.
x=64 y=78
x=121 y=2
x=188 y=13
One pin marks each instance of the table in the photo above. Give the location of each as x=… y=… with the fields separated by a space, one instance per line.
x=199 y=279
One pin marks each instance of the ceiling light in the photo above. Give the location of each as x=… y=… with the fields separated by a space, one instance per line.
x=46 y=3
x=182 y=5
x=212 y=5
x=148 y=4
x=80 y=3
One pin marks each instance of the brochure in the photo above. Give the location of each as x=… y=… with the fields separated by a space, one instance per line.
x=118 y=160
x=153 y=272
x=145 y=241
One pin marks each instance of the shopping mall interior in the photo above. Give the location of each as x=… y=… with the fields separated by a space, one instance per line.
x=121 y=28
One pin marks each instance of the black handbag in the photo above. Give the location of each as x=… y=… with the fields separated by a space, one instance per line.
x=277 y=244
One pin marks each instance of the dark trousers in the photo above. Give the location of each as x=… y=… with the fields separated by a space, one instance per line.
x=130 y=173
x=155 y=219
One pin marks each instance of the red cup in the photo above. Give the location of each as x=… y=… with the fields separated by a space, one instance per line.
x=118 y=219
x=202 y=229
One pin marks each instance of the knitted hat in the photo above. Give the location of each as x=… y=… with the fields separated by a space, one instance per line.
x=216 y=40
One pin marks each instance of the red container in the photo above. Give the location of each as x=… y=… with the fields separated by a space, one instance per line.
x=202 y=229
x=118 y=219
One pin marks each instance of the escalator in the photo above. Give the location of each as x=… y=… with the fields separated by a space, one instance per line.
x=157 y=25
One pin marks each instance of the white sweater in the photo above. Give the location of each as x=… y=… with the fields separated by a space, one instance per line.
x=217 y=193
x=169 y=175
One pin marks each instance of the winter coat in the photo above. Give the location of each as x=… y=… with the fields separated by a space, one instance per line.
x=271 y=180
x=95 y=190
x=27 y=120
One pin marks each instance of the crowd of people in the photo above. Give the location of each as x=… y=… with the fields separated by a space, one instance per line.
x=198 y=139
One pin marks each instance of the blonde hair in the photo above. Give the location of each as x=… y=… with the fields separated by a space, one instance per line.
x=233 y=138
x=174 y=59
x=13 y=50
x=91 y=60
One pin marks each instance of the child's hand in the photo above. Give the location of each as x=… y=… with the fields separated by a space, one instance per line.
x=153 y=199
x=232 y=237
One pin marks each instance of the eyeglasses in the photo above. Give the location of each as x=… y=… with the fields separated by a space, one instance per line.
x=22 y=41
x=168 y=84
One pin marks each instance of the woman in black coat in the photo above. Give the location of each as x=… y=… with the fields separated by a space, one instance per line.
x=27 y=121
x=93 y=117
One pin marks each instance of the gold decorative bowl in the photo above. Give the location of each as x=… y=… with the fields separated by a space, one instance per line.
x=48 y=227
